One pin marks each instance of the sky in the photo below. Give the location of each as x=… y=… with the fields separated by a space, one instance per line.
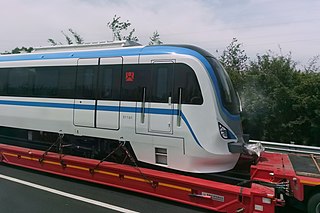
x=282 y=26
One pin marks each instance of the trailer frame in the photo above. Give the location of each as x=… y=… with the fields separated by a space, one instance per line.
x=273 y=170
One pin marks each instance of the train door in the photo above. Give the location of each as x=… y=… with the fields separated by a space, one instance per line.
x=84 y=104
x=97 y=102
x=160 y=105
x=155 y=111
x=108 y=97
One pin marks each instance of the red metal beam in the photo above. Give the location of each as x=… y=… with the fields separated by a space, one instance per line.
x=277 y=168
x=198 y=192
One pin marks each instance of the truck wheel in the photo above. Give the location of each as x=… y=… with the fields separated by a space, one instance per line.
x=314 y=203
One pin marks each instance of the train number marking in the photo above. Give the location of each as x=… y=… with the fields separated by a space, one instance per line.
x=127 y=117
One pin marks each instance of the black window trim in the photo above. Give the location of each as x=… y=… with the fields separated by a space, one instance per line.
x=96 y=94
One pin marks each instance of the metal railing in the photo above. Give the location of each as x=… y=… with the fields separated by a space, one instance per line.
x=287 y=148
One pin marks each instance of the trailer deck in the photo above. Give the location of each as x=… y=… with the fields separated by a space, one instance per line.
x=272 y=176
x=306 y=165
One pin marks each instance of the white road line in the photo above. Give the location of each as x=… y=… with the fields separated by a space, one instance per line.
x=68 y=195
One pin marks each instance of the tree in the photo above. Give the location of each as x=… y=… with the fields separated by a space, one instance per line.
x=268 y=97
x=18 y=50
x=77 y=39
x=306 y=125
x=52 y=42
x=118 y=27
x=280 y=102
x=155 y=39
x=312 y=64
x=234 y=59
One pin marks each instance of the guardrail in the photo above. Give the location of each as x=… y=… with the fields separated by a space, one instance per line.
x=287 y=148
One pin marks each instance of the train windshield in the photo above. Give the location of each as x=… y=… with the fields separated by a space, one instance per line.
x=228 y=95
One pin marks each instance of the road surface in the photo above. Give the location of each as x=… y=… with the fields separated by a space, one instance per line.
x=23 y=190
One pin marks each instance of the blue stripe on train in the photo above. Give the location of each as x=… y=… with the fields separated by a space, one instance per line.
x=36 y=104
x=101 y=108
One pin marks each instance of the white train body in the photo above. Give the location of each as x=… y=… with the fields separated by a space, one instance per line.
x=164 y=125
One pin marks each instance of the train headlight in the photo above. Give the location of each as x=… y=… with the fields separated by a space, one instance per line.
x=223 y=131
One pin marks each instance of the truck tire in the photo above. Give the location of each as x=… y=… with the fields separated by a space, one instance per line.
x=314 y=203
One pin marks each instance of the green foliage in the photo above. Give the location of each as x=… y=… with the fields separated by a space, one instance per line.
x=234 y=59
x=52 y=42
x=280 y=102
x=313 y=64
x=18 y=50
x=268 y=82
x=306 y=109
x=68 y=39
x=118 y=27
x=77 y=39
x=155 y=39
x=76 y=36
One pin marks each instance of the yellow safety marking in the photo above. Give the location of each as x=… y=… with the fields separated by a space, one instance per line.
x=107 y=173
x=28 y=158
x=175 y=187
x=136 y=179
x=77 y=167
x=12 y=155
x=309 y=182
x=51 y=162
x=117 y=175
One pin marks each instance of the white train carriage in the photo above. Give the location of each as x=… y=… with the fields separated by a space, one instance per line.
x=174 y=105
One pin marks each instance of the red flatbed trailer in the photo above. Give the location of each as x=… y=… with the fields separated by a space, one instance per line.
x=272 y=169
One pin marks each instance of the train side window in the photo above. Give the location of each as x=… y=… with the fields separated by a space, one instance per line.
x=161 y=82
x=3 y=81
x=66 y=84
x=86 y=78
x=109 y=82
x=20 y=81
x=185 y=78
x=46 y=82
x=134 y=79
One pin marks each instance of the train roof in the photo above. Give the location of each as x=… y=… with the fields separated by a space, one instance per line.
x=98 y=49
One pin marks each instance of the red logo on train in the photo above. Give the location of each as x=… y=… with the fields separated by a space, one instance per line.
x=129 y=76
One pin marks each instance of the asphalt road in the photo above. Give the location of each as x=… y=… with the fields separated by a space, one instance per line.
x=20 y=198
x=24 y=190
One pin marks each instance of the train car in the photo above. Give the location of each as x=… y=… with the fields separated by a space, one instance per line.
x=171 y=105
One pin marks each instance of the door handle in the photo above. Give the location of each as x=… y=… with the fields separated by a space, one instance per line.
x=143 y=105
x=179 y=108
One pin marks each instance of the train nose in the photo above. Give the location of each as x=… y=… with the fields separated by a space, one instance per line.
x=236 y=147
x=243 y=147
